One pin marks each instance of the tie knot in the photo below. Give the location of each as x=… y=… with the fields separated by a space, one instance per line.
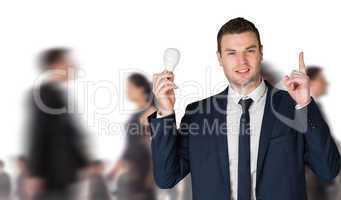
x=245 y=103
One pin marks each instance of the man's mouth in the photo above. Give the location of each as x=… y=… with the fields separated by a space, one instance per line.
x=243 y=70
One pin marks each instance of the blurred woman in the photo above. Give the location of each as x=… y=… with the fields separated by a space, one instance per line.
x=136 y=181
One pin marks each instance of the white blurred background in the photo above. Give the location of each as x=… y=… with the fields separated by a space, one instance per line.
x=112 y=38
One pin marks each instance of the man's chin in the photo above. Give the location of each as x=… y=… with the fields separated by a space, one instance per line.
x=243 y=82
x=246 y=82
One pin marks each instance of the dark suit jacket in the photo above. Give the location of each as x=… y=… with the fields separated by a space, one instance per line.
x=199 y=147
x=56 y=153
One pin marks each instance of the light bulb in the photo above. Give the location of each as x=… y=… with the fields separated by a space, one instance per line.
x=171 y=58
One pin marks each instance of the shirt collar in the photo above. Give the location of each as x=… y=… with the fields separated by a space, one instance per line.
x=255 y=95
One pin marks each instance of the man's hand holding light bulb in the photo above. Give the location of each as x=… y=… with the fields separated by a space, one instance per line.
x=163 y=83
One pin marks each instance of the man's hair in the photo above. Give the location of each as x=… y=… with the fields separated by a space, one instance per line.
x=236 y=26
x=52 y=56
x=313 y=72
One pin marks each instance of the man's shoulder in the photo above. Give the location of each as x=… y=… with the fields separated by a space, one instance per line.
x=206 y=102
x=279 y=96
x=49 y=94
x=50 y=87
x=45 y=90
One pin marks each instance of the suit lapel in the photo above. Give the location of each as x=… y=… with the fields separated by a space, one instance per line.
x=267 y=128
x=219 y=104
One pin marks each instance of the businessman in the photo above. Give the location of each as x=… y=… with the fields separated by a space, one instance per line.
x=251 y=141
x=56 y=151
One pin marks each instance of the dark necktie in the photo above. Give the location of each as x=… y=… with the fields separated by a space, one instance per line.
x=244 y=174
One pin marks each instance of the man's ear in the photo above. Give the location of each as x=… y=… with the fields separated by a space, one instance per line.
x=261 y=52
x=219 y=58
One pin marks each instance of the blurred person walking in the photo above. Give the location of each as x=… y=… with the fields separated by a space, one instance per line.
x=56 y=149
x=136 y=180
x=318 y=189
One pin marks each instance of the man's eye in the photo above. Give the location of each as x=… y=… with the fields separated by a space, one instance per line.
x=251 y=51
x=231 y=53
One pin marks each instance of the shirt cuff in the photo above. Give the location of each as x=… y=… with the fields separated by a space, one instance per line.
x=298 y=107
x=159 y=115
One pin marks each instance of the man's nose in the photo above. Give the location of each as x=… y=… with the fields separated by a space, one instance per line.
x=242 y=60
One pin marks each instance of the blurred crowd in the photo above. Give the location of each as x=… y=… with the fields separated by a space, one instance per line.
x=57 y=165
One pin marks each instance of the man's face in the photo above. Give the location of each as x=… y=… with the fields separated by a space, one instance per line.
x=68 y=65
x=133 y=93
x=65 y=68
x=240 y=57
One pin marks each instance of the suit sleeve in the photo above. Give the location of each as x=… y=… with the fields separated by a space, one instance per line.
x=170 y=150
x=321 y=152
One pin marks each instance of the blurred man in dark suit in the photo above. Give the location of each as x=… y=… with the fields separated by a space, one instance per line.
x=56 y=153
x=318 y=189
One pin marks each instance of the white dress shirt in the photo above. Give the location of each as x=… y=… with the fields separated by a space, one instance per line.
x=234 y=111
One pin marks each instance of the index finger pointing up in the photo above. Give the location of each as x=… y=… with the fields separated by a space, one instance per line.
x=301 y=62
